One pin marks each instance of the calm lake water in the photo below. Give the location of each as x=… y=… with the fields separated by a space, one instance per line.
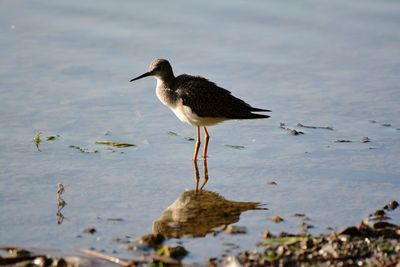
x=65 y=70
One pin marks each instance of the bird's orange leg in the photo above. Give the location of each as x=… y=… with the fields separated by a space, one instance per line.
x=206 y=138
x=196 y=148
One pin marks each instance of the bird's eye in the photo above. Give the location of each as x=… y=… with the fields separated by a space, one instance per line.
x=157 y=68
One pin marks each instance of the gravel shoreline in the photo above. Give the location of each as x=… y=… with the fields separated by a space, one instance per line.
x=374 y=242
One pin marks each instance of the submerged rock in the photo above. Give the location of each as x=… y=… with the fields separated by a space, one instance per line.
x=351 y=231
x=174 y=251
x=152 y=240
x=391 y=205
x=276 y=219
x=89 y=230
x=235 y=229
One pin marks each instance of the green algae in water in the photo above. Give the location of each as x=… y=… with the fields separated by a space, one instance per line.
x=285 y=241
x=173 y=251
x=386 y=247
x=271 y=256
x=114 y=144
x=37 y=140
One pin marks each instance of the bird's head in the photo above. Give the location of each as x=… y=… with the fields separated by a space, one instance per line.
x=159 y=68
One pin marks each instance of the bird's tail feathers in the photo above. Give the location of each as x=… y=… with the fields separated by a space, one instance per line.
x=259 y=110
x=249 y=115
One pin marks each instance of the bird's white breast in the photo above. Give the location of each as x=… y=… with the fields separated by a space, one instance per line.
x=185 y=114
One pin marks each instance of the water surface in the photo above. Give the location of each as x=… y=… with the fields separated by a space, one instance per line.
x=65 y=70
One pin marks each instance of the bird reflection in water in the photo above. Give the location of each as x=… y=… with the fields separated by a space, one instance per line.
x=60 y=203
x=197 y=176
x=198 y=212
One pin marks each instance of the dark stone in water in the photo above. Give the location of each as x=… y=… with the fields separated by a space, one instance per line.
x=235 y=229
x=276 y=219
x=266 y=234
x=89 y=230
x=152 y=240
x=392 y=205
x=366 y=140
x=381 y=225
x=379 y=213
x=351 y=231
x=176 y=252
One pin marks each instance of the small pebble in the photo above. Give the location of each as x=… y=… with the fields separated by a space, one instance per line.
x=89 y=230
x=392 y=205
x=266 y=234
x=234 y=229
x=276 y=219
x=366 y=140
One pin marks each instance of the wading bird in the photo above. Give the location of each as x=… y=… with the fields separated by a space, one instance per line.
x=198 y=101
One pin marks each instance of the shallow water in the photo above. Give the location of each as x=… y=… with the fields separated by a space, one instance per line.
x=65 y=70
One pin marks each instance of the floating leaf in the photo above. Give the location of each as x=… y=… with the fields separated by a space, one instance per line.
x=52 y=137
x=115 y=219
x=343 y=141
x=236 y=146
x=172 y=133
x=83 y=150
x=289 y=130
x=315 y=127
x=175 y=134
x=366 y=139
x=114 y=144
x=298 y=214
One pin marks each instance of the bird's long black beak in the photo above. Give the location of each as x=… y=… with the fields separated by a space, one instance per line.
x=141 y=76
